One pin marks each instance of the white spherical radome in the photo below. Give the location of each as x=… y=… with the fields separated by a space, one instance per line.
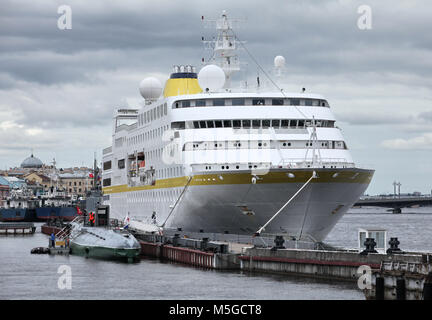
x=211 y=78
x=279 y=61
x=150 y=88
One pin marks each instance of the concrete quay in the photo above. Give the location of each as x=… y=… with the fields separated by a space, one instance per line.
x=395 y=275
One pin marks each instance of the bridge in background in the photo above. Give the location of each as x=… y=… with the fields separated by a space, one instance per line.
x=395 y=203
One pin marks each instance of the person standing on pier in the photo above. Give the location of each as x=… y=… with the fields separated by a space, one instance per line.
x=92 y=219
x=53 y=240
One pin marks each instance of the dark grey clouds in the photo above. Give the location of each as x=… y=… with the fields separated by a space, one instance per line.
x=57 y=86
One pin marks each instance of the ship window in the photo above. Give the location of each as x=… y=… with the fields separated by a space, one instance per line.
x=308 y=102
x=277 y=102
x=196 y=124
x=236 y=123
x=185 y=104
x=200 y=103
x=284 y=123
x=293 y=123
x=238 y=102
x=266 y=123
x=203 y=124
x=210 y=124
x=107 y=165
x=295 y=102
x=258 y=102
x=301 y=123
x=165 y=109
x=106 y=182
x=178 y=125
x=227 y=123
x=256 y=123
x=275 y=123
x=218 y=102
x=218 y=123
x=121 y=164
x=315 y=102
x=246 y=123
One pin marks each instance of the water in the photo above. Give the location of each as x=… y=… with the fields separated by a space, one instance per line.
x=27 y=276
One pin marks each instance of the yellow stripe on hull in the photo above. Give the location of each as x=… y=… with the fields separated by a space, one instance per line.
x=300 y=176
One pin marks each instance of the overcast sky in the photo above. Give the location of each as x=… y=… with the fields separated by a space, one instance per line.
x=58 y=88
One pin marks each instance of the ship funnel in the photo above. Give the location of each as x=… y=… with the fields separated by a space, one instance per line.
x=183 y=80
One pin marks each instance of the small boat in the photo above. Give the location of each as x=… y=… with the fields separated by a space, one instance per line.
x=96 y=242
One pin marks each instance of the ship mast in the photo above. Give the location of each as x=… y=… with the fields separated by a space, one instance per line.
x=224 y=47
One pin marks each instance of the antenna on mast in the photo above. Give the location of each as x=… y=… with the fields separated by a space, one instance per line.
x=224 y=46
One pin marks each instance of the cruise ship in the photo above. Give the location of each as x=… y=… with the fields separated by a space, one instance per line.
x=201 y=156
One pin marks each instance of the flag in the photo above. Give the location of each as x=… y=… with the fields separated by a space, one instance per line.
x=126 y=222
x=91 y=175
x=79 y=212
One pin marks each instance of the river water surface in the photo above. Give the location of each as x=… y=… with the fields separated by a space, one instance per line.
x=27 y=276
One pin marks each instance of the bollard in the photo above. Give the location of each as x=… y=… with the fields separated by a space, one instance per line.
x=400 y=289
x=394 y=246
x=279 y=241
x=370 y=246
x=427 y=287
x=379 y=288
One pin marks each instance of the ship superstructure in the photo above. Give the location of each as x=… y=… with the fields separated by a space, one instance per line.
x=205 y=158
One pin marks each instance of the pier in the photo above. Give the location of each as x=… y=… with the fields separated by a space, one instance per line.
x=16 y=227
x=393 y=274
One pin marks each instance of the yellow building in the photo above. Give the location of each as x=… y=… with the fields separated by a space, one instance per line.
x=40 y=179
x=75 y=183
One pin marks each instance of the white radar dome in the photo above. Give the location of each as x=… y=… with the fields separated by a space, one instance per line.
x=211 y=78
x=279 y=61
x=150 y=88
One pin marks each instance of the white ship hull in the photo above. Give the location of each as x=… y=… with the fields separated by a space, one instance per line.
x=232 y=205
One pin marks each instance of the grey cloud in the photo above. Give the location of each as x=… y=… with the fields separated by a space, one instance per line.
x=66 y=83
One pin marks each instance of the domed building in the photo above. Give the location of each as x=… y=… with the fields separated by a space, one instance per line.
x=32 y=163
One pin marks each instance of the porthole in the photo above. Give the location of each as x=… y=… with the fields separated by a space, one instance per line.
x=237 y=167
